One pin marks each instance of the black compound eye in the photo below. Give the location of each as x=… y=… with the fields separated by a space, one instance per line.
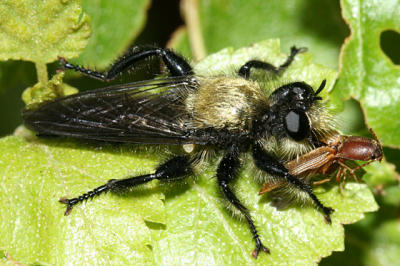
x=297 y=125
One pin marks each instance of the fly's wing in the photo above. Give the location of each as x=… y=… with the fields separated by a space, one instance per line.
x=141 y=112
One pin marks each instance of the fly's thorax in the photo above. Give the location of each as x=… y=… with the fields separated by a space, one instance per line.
x=225 y=102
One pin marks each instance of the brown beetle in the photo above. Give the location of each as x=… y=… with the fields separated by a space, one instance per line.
x=326 y=160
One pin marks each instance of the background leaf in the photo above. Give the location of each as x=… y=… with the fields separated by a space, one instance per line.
x=115 y=24
x=39 y=31
x=233 y=23
x=366 y=73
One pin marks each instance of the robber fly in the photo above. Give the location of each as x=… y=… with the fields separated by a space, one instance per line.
x=332 y=158
x=234 y=115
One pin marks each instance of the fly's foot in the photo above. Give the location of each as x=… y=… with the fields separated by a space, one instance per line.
x=294 y=50
x=70 y=204
x=259 y=247
x=89 y=195
x=327 y=214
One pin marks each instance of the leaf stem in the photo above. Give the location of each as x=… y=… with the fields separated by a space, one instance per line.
x=190 y=12
x=41 y=70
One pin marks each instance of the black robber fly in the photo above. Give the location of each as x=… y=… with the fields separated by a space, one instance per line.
x=233 y=114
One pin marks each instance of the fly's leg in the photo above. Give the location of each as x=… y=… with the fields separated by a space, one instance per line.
x=176 y=64
x=244 y=71
x=226 y=172
x=269 y=164
x=172 y=170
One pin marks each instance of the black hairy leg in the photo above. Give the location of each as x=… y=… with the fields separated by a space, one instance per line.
x=244 y=71
x=269 y=164
x=176 y=64
x=172 y=170
x=226 y=172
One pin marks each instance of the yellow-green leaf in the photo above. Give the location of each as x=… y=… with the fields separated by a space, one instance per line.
x=111 y=230
x=51 y=90
x=40 y=31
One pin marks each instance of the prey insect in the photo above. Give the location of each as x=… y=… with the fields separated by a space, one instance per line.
x=233 y=115
x=332 y=158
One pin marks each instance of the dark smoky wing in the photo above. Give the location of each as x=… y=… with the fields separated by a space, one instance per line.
x=142 y=112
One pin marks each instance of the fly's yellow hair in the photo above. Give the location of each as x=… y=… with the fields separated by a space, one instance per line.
x=225 y=102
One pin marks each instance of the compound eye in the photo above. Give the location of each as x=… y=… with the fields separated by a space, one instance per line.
x=297 y=125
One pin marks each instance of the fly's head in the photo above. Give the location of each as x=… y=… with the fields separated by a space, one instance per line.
x=292 y=121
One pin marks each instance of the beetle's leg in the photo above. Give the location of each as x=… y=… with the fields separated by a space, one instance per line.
x=320 y=182
x=176 y=64
x=269 y=164
x=350 y=170
x=226 y=172
x=344 y=170
x=172 y=170
x=244 y=71
x=267 y=187
x=341 y=172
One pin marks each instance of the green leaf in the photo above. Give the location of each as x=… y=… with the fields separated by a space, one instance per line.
x=201 y=231
x=373 y=241
x=381 y=174
x=385 y=248
x=384 y=179
x=36 y=174
x=269 y=51
x=40 y=31
x=136 y=227
x=115 y=24
x=369 y=76
x=51 y=90
x=314 y=24
x=366 y=73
